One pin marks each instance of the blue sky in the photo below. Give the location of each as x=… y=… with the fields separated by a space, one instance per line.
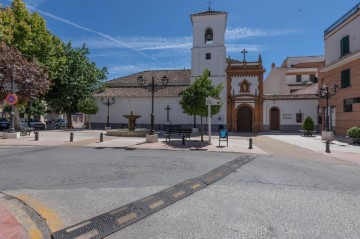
x=129 y=36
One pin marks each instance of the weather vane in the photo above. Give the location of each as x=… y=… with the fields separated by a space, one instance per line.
x=209 y=2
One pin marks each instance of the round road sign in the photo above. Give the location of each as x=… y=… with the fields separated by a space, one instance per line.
x=11 y=99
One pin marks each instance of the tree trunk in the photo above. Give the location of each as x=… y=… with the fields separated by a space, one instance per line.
x=69 y=119
x=202 y=129
x=89 y=122
x=28 y=120
x=16 y=117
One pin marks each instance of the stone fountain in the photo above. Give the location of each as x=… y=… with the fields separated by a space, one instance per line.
x=131 y=120
x=131 y=131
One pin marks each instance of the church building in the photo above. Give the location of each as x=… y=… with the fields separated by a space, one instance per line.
x=243 y=96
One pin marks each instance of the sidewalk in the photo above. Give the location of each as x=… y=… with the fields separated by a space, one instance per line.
x=16 y=223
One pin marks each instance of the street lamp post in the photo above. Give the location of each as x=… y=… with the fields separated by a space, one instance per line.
x=325 y=92
x=108 y=102
x=152 y=87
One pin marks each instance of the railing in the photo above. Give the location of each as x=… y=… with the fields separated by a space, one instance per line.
x=343 y=18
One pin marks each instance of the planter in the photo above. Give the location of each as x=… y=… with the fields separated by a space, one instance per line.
x=355 y=140
x=307 y=132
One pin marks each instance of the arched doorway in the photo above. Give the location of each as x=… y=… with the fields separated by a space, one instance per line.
x=244 y=119
x=274 y=119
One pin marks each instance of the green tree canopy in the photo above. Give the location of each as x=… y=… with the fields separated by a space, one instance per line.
x=27 y=32
x=88 y=106
x=194 y=97
x=78 y=80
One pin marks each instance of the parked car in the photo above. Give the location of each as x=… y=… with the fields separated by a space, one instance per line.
x=34 y=123
x=59 y=123
x=4 y=123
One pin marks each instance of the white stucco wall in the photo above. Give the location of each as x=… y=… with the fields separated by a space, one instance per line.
x=290 y=107
x=332 y=40
x=275 y=82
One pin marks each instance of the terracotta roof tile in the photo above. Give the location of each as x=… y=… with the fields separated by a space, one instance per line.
x=290 y=97
x=209 y=13
x=175 y=77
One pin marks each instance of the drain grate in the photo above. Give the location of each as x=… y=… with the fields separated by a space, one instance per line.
x=115 y=220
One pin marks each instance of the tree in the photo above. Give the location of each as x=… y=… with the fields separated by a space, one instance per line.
x=78 y=79
x=88 y=106
x=193 y=98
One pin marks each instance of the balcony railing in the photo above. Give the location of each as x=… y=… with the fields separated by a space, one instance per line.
x=342 y=19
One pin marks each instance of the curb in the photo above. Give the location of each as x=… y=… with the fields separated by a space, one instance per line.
x=31 y=222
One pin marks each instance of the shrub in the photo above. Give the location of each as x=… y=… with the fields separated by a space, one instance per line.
x=354 y=132
x=308 y=124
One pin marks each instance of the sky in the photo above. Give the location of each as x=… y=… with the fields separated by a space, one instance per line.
x=130 y=36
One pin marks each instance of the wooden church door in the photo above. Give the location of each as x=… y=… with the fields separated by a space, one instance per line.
x=244 y=119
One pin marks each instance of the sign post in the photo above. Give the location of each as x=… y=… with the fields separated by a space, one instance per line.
x=209 y=102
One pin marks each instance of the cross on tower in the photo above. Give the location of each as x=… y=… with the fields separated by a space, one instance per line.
x=209 y=2
x=244 y=52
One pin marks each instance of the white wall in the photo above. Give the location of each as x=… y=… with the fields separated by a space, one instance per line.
x=291 y=107
x=332 y=41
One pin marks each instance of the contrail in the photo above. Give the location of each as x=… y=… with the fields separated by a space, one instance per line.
x=89 y=30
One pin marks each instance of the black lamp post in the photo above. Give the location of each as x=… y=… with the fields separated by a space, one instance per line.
x=326 y=93
x=108 y=102
x=152 y=87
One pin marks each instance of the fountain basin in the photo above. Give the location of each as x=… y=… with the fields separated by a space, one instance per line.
x=127 y=133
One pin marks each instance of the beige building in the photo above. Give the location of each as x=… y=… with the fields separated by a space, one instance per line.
x=341 y=73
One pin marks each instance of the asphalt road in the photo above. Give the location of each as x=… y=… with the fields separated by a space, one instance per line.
x=270 y=197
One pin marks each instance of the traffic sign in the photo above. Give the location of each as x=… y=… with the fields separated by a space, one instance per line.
x=11 y=99
x=212 y=101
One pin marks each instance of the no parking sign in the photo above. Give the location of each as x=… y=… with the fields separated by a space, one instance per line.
x=11 y=99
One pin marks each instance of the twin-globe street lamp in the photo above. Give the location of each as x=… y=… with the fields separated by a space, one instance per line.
x=326 y=93
x=108 y=102
x=152 y=87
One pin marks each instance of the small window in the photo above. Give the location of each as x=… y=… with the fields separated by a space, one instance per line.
x=209 y=73
x=348 y=105
x=298 y=78
x=299 y=117
x=208 y=56
x=345 y=78
x=313 y=79
x=319 y=119
x=344 y=46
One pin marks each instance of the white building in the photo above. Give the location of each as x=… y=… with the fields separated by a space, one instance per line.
x=291 y=93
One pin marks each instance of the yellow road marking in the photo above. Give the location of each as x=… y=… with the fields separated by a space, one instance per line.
x=51 y=218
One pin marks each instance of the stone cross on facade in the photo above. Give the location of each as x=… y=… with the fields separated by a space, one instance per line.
x=167 y=113
x=244 y=52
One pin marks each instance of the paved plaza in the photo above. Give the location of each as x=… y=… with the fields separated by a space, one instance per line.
x=53 y=184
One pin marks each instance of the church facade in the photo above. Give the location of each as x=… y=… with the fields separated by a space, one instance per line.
x=243 y=95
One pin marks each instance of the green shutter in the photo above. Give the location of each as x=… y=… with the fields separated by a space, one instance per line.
x=345 y=78
x=345 y=45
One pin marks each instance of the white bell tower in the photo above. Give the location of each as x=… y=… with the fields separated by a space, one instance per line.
x=209 y=49
x=209 y=52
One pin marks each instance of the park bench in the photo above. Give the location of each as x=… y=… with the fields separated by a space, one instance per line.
x=224 y=136
x=176 y=129
x=26 y=131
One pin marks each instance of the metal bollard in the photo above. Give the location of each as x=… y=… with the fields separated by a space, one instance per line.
x=250 y=143
x=183 y=140
x=71 y=137
x=36 y=135
x=101 y=137
x=327 y=146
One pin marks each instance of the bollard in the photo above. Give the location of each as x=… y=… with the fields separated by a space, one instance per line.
x=71 y=137
x=183 y=140
x=327 y=146
x=36 y=135
x=250 y=143
x=101 y=137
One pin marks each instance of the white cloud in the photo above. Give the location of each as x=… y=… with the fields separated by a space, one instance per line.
x=240 y=33
x=108 y=37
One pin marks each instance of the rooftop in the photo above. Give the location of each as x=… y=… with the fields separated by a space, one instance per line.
x=352 y=11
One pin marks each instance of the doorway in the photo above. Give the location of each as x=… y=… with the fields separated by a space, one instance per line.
x=274 y=119
x=244 y=119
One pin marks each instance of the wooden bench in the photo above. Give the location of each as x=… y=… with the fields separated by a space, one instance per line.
x=176 y=129
x=26 y=131
x=224 y=136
